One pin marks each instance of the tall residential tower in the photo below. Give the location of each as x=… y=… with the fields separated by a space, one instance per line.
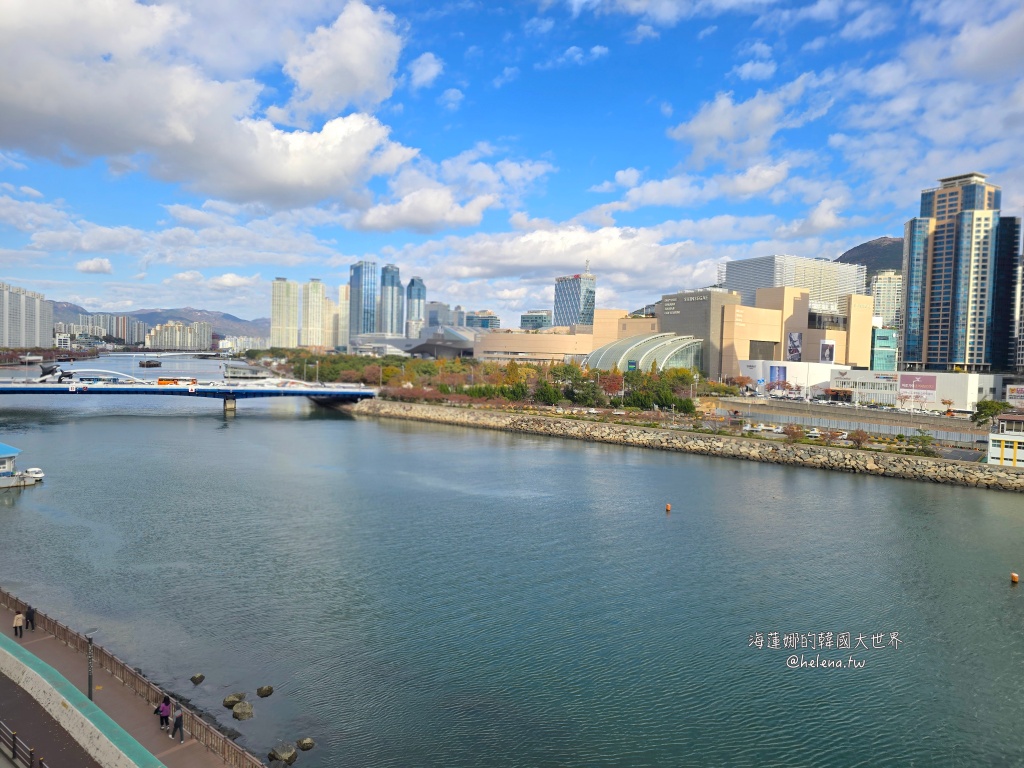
x=284 y=314
x=961 y=280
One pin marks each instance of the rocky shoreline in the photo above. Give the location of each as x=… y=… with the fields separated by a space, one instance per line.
x=919 y=468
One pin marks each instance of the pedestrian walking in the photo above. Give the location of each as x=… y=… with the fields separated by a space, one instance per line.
x=30 y=618
x=19 y=624
x=165 y=713
x=179 y=723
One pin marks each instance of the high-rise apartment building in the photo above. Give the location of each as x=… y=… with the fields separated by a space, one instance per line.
x=343 y=309
x=26 y=318
x=961 y=280
x=415 y=307
x=284 y=314
x=575 y=299
x=438 y=314
x=389 y=319
x=828 y=282
x=362 y=303
x=177 y=335
x=887 y=291
x=313 y=296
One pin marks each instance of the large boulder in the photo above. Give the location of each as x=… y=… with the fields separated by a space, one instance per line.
x=233 y=698
x=284 y=752
x=242 y=710
x=264 y=690
x=305 y=744
x=197 y=679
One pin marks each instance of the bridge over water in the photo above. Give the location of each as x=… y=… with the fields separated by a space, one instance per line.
x=229 y=392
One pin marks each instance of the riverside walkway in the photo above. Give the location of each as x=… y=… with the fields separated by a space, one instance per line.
x=120 y=702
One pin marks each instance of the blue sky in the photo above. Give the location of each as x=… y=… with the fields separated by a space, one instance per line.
x=185 y=153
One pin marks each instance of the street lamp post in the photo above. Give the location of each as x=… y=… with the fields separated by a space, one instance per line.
x=318 y=371
x=88 y=636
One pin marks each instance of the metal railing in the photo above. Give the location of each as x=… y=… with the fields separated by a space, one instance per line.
x=19 y=753
x=233 y=755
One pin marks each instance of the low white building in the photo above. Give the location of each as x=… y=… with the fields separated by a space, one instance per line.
x=917 y=391
x=1006 y=442
x=804 y=379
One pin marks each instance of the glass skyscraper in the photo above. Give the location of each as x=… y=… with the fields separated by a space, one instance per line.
x=362 y=302
x=389 y=320
x=415 y=307
x=961 y=280
x=574 y=299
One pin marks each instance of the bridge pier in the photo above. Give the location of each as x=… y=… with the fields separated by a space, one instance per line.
x=229 y=405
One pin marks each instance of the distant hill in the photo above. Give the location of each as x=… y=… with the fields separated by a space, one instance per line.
x=224 y=324
x=876 y=255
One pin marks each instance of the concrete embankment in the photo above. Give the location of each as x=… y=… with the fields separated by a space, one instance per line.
x=798 y=455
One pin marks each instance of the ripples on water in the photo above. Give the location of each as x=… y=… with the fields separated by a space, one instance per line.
x=429 y=596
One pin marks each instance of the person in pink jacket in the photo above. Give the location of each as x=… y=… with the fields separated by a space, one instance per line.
x=165 y=713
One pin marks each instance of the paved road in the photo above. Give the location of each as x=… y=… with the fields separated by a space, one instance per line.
x=40 y=731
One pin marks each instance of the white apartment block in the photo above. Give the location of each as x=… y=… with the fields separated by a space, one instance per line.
x=26 y=318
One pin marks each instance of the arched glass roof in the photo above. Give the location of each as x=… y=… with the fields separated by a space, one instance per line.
x=666 y=350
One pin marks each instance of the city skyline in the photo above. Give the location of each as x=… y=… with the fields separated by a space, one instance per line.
x=485 y=148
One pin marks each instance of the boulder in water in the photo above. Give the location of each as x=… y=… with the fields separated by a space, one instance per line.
x=197 y=679
x=233 y=698
x=264 y=690
x=242 y=710
x=305 y=744
x=284 y=752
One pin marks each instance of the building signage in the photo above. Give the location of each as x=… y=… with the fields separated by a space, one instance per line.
x=828 y=351
x=885 y=377
x=776 y=373
x=1015 y=396
x=919 y=388
x=795 y=347
x=631 y=365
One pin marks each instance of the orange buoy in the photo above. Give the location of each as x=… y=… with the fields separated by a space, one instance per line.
x=668 y=507
x=1014 y=578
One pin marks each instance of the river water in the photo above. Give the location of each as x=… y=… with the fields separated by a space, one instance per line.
x=435 y=596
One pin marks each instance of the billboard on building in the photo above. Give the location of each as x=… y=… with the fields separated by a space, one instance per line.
x=795 y=347
x=1015 y=396
x=919 y=388
x=828 y=351
x=776 y=373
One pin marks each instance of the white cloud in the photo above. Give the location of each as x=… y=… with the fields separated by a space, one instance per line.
x=451 y=99
x=538 y=26
x=424 y=70
x=192 y=276
x=425 y=210
x=575 y=56
x=351 y=62
x=232 y=282
x=666 y=109
x=643 y=32
x=754 y=70
x=95 y=266
x=114 y=90
x=871 y=22
x=628 y=177
x=508 y=74
x=755 y=180
x=667 y=13
x=738 y=132
x=707 y=32
x=30 y=192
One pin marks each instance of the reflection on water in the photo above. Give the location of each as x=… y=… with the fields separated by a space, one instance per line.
x=433 y=596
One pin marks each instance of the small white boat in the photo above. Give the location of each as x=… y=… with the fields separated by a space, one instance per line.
x=35 y=472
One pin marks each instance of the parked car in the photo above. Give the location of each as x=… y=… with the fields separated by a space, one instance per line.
x=814 y=434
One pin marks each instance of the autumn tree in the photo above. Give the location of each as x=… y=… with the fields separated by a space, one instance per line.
x=859 y=438
x=794 y=433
